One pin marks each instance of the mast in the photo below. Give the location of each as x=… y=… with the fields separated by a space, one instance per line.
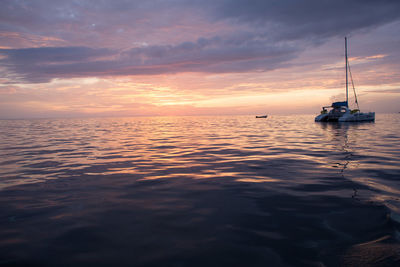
x=347 y=79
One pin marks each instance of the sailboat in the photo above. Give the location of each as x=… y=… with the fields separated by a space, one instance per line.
x=340 y=111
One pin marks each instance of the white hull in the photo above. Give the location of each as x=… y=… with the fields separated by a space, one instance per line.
x=357 y=117
x=344 y=114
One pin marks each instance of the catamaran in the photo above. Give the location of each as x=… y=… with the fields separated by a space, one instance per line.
x=340 y=110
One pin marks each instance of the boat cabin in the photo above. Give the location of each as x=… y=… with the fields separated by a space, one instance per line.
x=337 y=111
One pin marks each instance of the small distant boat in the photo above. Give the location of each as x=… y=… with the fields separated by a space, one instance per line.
x=262 y=116
x=340 y=110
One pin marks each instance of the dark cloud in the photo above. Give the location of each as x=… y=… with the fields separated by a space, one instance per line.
x=44 y=63
x=53 y=54
x=205 y=55
x=293 y=19
x=254 y=35
x=281 y=19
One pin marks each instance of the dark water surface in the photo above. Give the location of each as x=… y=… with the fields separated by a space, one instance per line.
x=199 y=191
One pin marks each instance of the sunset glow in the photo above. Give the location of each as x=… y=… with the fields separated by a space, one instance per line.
x=148 y=58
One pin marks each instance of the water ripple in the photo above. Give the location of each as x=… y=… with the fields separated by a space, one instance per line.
x=195 y=191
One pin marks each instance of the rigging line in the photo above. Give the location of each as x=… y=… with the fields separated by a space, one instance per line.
x=352 y=83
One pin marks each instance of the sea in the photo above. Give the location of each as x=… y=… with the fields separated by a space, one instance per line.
x=200 y=191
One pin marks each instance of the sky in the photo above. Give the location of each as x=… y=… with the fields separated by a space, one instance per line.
x=84 y=58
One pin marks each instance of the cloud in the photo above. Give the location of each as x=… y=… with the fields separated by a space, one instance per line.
x=93 y=23
x=388 y=91
x=100 y=38
x=44 y=63
x=214 y=55
x=293 y=19
x=53 y=54
x=156 y=20
x=8 y=89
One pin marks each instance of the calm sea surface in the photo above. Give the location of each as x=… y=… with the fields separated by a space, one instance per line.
x=199 y=191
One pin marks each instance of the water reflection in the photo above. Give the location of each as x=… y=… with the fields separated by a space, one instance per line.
x=195 y=191
x=360 y=160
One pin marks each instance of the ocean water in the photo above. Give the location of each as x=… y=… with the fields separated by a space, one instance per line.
x=199 y=191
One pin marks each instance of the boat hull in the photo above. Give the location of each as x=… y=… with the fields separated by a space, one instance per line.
x=321 y=117
x=358 y=117
x=347 y=117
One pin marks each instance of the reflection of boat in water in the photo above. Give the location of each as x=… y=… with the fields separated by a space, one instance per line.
x=262 y=116
x=340 y=110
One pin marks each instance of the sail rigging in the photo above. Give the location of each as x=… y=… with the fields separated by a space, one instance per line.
x=351 y=77
x=340 y=111
x=354 y=89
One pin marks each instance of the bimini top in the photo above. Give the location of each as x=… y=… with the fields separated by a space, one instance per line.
x=339 y=104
